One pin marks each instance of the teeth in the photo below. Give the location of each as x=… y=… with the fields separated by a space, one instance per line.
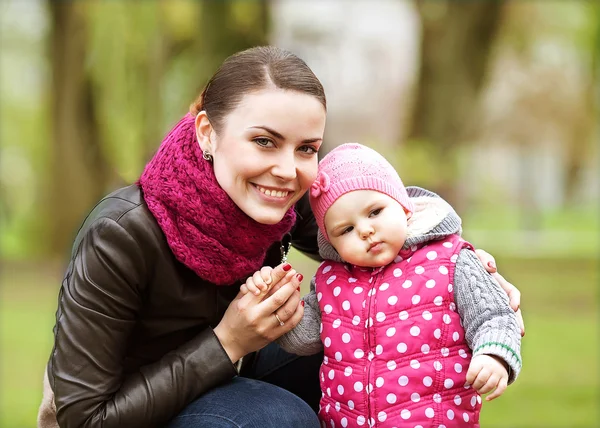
x=274 y=193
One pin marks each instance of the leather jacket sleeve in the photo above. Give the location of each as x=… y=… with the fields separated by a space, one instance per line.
x=304 y=235
x=101 y=297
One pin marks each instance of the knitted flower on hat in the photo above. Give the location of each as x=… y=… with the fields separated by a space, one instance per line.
x=352 y=167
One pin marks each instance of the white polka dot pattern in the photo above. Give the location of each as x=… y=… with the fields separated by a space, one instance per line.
x=394 y=335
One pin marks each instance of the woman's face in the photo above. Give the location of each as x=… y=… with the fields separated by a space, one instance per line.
x=265 y=157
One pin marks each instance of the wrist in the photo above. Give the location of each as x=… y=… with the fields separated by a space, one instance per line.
x=228 y=344
x=501 y=361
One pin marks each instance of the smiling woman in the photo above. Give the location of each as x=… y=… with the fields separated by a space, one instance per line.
x=265 y=152
x=149 y=330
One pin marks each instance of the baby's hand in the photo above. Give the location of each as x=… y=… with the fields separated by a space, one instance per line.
x=487 y=372
x=258 y=282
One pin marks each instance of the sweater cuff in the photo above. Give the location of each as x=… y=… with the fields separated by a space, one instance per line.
x=499 y=344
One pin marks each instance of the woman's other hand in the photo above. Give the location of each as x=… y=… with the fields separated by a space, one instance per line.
x=514 y=295
x=252 y=321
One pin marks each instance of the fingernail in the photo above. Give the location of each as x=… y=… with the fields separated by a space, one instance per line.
x=302 y=303
x=287 y=267
x=300 y=277
x=268 y=281
x=492 y=265
x=298 y=288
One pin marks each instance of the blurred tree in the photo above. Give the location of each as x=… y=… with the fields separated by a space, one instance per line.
x=122 y=73
x=151 y=59
x=78 y=168
x=584 y=126
x=543 y=98
x=456 y=45
x=226 y=27
x=129 y=47
x=201 y=36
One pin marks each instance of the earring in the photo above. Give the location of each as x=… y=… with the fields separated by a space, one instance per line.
x=207 y=156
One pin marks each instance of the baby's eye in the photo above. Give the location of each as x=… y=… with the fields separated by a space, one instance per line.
x=376 y=212
x=348 y=229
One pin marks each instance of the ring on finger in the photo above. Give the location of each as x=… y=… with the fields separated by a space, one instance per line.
x=278 y=319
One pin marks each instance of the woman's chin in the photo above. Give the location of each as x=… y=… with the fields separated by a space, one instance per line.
x=267 y=216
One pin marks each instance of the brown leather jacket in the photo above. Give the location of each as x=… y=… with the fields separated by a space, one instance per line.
x=133 y=340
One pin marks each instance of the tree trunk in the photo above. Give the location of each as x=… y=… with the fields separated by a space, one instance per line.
x=457 y=41
x=79 y=170
x=585 y=129
x=159 y=60
x=224 y=34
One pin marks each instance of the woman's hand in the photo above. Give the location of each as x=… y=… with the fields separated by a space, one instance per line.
x=252 y=321
x=514 y=295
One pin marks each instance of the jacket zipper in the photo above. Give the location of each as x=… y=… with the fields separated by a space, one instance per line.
x=370 y=349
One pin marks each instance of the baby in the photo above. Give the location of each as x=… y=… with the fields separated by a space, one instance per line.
x=412 y=326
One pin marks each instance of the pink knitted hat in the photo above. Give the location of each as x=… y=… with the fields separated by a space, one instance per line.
x=351 y=167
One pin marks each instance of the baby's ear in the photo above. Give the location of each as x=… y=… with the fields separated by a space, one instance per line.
x=326 y=250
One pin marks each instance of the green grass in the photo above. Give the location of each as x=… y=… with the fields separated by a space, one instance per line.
x=558 y=386
x=27 y=306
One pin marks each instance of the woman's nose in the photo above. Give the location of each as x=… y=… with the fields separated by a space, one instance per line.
x=285 y=168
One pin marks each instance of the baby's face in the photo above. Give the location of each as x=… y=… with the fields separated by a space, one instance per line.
x=366 y=227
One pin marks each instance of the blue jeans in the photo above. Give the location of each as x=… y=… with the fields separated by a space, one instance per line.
x=277 y=390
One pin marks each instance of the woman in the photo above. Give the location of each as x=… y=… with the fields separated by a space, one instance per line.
x=150 y=328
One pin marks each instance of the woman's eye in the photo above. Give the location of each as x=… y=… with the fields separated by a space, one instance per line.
x=263 y=142
x=348 y=229
x=376 y=212
x=308 y=149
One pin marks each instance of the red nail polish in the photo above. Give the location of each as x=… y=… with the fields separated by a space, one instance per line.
x=302 y=303
x=300 y=277
x=287 y=267
x=298 y=288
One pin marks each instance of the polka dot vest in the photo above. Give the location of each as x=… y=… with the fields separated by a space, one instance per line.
x=395 y=352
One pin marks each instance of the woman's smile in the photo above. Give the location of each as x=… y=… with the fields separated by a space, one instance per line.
x=273 y=194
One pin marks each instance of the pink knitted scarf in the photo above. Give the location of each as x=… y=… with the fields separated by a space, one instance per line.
x=205 y=229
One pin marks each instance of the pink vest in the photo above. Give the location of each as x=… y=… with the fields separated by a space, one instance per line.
x=395 y=353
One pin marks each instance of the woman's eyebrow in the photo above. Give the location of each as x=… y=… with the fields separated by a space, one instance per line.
x=270 y=131
x=281 y=137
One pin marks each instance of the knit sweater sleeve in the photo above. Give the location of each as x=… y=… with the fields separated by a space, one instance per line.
x=490 y=324
x=305 y=338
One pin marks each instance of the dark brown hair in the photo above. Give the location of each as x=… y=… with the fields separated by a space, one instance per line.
x=252 y=70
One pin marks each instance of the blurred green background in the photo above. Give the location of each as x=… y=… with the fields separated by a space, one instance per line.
x=492 y=104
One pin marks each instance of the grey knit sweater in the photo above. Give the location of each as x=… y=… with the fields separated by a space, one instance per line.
x=491 y=326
